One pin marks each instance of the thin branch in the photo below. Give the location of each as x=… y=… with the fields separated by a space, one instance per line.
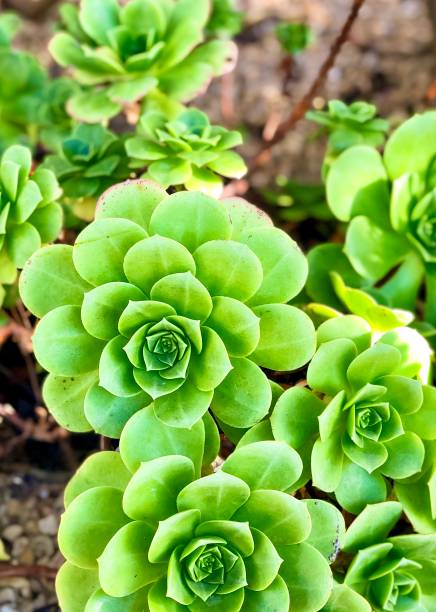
x=8 y=570
x=304 y=104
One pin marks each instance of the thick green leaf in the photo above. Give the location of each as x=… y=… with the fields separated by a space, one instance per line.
x=284 y=519
x=265 y=465
x=62 y=345
x=236 y=324
x=327 y=372
x=48 y=220
x=185 y=293
x=21 y=242
x=69 y=596
x=158 y=600
x=115 y=369
x=89 y=523
x=107 y=413
x=328 y=528
x=183 y=407
x=104 y=468
x=410 y=147
x=244 y=216
x=101 y=602
x=423 y=421
x=145 y=437
x=287 y=337
x=100 y=248
x=284 y=265
x=372 y=525
x=244 y=397
x=160 y=256
x=275 y=598
x=351 y=327
x=124 y=566
x=405 y=456
x=377 y=361
x=102 y=307
x=372 y=250
x=228 y=268
x=211 y=366
x=345 y=599
x=307 y=576
x=263 y=565
x=172 y=532
x=191 y=218
x=357 y=488
x=217 y=496
x=133 y=200
x=97 y=17
x=238 y=535
x=151 y=494
x=295 y=416
x=64 y=396
x=327 y=463
x=357 y=184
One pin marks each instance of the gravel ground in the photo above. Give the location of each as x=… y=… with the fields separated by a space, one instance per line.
x=389 y=60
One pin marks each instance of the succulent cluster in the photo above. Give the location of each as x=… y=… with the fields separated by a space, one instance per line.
x=186 y=150
x=252 y=417
x=165 y=538
x=389 y=204
x=29 y=212
x=176 y=298
x=122 y=52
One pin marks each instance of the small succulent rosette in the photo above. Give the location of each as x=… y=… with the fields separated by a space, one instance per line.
x=349 y=125
x=161 y=538
x=392 y=573
x=178 y=299
x=91 y=159
x=29 y=213
x=390 y=204
x=132 y=48
x=365 y=419
x=186 y=151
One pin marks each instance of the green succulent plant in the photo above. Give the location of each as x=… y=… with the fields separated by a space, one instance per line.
x=393 y=573
x=364 y=422
x=389 y=203
x=349 y=125
x=22 y=83
x=10 y=24
x=180 y=298
x=186 y=150
x=294 y=37
x=224 y=19
x=92 y=159
x=120 y=53
x=29 y=212
x=164 y=539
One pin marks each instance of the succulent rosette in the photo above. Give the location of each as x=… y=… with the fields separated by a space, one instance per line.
x=390 y=204
x=180 y=298
x=393 y=573
x=164 y=539
x=29 y=213
x=365 y=420
x=186 y=150
x=91 y=159
x=349 y=125
x=126 y=50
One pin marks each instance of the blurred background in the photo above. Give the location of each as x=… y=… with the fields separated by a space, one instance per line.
x=389 y=60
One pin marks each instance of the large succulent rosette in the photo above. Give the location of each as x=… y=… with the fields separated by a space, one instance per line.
x=131 y=48
x=393 y=573
x=177 y=298
x=152 y=536
x=364 y=421
x=390 y=204
x=29 y=213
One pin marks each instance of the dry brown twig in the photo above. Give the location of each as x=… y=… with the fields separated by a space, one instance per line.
x=7 y=570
